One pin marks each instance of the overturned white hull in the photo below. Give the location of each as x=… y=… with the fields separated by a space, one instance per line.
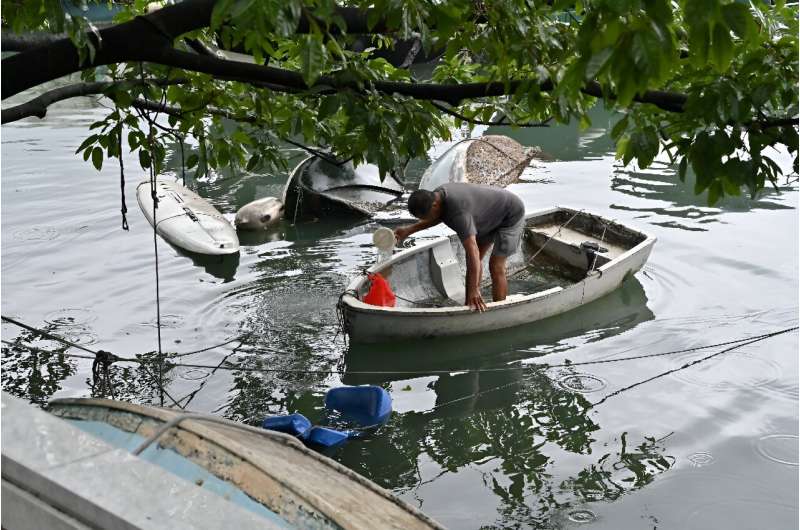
x=429 y=279
x=187 y=220
x=491 y=160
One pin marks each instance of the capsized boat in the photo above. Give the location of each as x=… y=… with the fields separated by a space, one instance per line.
x=493 y=160
x=267 y=473
x=566 y=258
x=317 y=187
x=187 y=220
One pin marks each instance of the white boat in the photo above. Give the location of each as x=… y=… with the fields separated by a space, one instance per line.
x=555 y=269
x=493 y=160
x=186 y=220
x=112 y=464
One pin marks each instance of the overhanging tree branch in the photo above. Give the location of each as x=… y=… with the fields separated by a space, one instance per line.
x=502 y=121
x=150 y=38
x=38 y=105
x=159 y=107
x=18 y=42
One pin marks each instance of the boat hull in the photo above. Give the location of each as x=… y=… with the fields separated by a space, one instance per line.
x=316 y=189
x=186 y=220
x=300 y=486
x=365 y=323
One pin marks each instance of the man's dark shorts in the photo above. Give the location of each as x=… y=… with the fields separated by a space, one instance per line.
x=506 y=238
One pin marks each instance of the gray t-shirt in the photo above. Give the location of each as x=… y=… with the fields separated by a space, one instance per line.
x=473 y=209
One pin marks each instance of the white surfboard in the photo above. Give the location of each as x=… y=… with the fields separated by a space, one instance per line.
x=187 y=220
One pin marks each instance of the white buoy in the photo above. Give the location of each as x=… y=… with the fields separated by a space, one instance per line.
x=383 y=238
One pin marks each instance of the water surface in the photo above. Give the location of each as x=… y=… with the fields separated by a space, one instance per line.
x=711 y=445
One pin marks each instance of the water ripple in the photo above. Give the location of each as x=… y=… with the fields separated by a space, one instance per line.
x=780 y=448
x=582 y=383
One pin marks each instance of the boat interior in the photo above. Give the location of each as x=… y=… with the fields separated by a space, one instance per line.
x=361 y=185
x=559 y=248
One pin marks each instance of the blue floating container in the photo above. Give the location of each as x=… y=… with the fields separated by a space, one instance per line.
x=294 y=424
x=324 y=437
x=366 y=405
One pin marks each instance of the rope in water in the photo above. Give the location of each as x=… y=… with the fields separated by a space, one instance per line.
x=540 y=366
x=741 y=344
x=154 y=195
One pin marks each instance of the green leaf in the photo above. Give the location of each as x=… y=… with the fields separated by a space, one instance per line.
x=312 y=58
x=722 y=48
x=220 y=12
x=133 y=140
x=738 y=18
x=240 y=7
x=144 y=158
x=699 y=44
x=86 y=143
x=192 y=160
x=619 y=127
x=682 y=168
x=715 y=193
x=659 y=10
x=253 y=162
x=646 y=145
x=328 y=107
x=97 y=158
x=598 y=62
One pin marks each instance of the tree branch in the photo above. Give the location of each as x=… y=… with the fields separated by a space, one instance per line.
x=150 y=38
x=38 y=105
x=246 y=118
x=18 y=42
x=500 y=122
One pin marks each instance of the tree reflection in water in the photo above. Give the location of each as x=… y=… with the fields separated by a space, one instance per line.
x=512 y=438
x=34 y=368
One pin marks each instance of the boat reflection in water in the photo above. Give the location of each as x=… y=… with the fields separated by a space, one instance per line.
x=510 y=426
x=615 y=313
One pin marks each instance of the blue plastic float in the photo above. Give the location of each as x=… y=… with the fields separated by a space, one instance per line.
x=366 y=406
x=294 y=424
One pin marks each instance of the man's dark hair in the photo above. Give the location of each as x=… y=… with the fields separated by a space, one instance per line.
x=420 y=203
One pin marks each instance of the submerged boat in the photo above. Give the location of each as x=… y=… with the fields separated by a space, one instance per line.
x=317 y=187
x=566 y=258
x=112 y=464
x=492 y=160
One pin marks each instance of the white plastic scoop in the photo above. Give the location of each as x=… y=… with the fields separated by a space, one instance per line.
x=383 y=238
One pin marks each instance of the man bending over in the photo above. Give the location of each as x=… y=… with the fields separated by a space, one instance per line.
x=482 y=216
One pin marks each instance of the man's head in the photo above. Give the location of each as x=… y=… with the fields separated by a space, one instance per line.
x=424 y=204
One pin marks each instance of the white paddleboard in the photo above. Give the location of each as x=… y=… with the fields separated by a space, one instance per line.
x=187 y=220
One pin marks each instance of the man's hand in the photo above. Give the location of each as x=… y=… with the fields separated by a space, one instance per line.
x=402 y=233
x=475 y=301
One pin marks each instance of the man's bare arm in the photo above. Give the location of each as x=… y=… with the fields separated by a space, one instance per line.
x=474 y=299
x=405 y=231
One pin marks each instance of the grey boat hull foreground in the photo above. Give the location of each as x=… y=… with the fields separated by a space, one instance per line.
x=555 y=269
x=112 y=464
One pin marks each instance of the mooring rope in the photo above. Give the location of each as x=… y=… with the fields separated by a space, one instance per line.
x=540 y=366
x=123 y=206
x=154 y=195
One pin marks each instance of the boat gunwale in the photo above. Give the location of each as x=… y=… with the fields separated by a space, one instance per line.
x=352 y=303
x=203 y=430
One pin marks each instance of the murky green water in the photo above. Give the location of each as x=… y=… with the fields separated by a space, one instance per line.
x=712 y=445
